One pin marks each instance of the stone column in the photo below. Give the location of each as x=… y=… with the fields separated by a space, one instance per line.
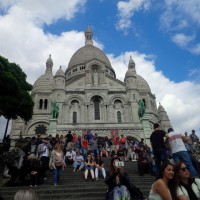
x=106 y=113
x=147 y=129
x=53 y=127
x=67 y=113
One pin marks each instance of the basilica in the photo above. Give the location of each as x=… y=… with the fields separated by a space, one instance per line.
x=88 y=95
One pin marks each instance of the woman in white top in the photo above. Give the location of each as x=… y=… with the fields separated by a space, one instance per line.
x=188 y=187
x=57 y=162
x=164 y=187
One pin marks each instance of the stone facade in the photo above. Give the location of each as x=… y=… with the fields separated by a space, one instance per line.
x=90 y=96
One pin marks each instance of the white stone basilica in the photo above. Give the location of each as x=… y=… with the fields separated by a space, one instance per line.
x=90 y=96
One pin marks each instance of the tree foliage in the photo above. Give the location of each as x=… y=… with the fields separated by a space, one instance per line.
x=15 y=99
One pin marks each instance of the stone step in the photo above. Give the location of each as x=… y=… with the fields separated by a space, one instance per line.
x=73 y=186
x=67 y=194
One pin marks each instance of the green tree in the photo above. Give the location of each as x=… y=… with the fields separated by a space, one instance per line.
x=15 y=98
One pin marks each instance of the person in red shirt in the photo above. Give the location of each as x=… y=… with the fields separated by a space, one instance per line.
x=123 y=144
x=84 y=146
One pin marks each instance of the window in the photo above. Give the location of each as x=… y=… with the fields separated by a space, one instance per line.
x=74 y=70
x=74 y=117
x=82 y=67
x=40 y=104
x=119 y=117
x=96 y=108
x=45 y=104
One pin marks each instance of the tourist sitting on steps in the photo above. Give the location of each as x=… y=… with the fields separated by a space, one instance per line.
x=164 y=188
x=78 y=163
x=121 y=154
x=188 y=187
x=35 y=169
x=119 y=184
x=89 y=167
x=99 y=167
x=104 y=152
x=144 y=165
x=69 y=157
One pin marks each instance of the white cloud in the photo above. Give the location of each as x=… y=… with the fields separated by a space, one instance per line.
x=195 y=49
x=25 y=41
x=182 y=16
x=194 y=74
x=44 y=12
x=126 y=11
x=182 y=40
x=180 y=13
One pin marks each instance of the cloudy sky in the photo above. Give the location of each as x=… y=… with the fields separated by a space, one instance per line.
x=161 y=36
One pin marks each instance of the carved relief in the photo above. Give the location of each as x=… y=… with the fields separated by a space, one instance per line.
x=77 y=84
x=95 y=75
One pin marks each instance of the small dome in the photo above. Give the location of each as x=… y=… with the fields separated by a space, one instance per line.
x=60 y=72
x=160 y=108
x=43 y=83
x=49 y=60
x=142 y=83
x=130 y=73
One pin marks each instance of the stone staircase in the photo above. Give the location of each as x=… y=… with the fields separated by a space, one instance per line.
x=72 y=185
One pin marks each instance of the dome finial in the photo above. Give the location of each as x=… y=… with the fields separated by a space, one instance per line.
x=49 y=64
x=131 y=64
x=88 y=36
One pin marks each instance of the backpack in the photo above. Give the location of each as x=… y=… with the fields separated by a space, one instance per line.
x=120 y=193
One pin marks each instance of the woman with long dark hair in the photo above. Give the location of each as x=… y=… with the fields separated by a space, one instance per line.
x=119 y=184
x=188 y=187
x=164 y=188
x=89 y=167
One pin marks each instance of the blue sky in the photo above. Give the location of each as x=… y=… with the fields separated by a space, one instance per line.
x=161 y=36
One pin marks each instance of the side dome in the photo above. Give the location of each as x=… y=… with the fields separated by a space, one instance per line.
x=87 y=53
x=43 y=83
x=130 y=73
x=142 y=83
x=60 y=72
x=161 y=108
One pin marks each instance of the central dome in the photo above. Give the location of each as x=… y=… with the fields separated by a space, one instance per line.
x=88 y=53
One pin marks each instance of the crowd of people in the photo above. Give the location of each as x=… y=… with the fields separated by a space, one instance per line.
x=170 y=158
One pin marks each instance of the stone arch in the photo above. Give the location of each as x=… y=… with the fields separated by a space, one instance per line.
x=69 y=109
x=74 y=97
x=94 y=62
x=30 y=129
x=118 y=104
x=118 y=97
x=101 y=95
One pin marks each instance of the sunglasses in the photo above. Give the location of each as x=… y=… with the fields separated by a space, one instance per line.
x=184 y=168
